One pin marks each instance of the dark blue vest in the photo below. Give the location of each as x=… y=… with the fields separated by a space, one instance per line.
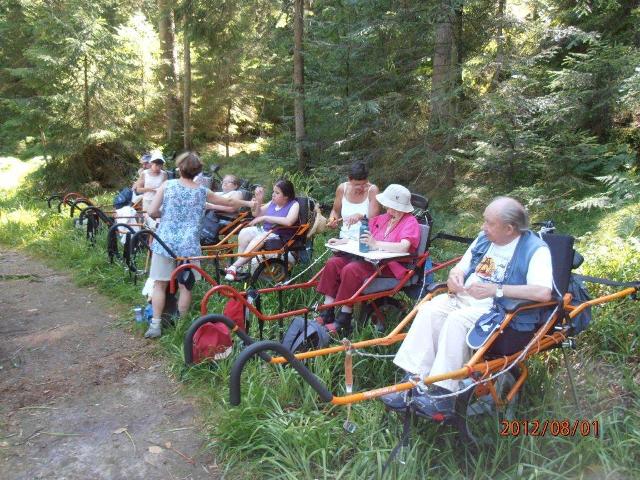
x=515 y=274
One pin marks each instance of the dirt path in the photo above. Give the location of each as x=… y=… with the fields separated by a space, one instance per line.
x=81 y=398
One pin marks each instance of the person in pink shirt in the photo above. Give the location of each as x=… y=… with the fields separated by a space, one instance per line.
x=394 y=231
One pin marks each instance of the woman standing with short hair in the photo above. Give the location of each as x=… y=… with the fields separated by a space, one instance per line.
x=180 y=204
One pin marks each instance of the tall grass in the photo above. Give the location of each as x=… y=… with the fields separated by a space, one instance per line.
x=282 y=430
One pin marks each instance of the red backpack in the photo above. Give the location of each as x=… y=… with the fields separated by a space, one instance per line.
x=212 y=340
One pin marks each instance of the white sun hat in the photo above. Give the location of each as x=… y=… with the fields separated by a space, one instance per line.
x=397 y=197
x=156 y=156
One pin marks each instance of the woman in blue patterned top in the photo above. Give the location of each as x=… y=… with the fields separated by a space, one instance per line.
x=181 y=205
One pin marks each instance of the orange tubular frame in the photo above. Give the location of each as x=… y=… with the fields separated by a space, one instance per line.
x=357 y=297
x=477 y=368
x=540 y=342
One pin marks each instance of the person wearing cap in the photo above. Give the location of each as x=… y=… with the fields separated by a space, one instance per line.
x=151 y=179
x=180 y=203
x=505 y=262
x=145 y=163
x=354 y=200
x=394 y=231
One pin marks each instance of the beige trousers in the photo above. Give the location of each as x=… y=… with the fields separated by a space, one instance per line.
x=436 y=341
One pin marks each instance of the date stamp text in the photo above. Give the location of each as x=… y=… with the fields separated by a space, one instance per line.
x=553 y=427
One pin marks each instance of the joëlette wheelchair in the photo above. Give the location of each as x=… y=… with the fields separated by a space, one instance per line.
x=126 y=228
x=272 y=257
x=489 y=382
x=93 y=216
x=72 y=200
x=377 y=293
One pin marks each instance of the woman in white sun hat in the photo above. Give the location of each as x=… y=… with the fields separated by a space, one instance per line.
x=394 y=231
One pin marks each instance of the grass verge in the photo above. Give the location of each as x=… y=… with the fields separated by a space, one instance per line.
x=281 y=430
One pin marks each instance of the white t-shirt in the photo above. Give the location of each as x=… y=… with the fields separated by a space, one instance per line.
x=492 y=267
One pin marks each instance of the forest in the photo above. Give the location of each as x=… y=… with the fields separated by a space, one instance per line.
x=459 y=100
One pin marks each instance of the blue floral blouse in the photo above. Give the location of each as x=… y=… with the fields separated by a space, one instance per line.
x=182 y=219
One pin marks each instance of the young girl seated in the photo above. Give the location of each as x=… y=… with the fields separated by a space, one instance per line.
x=282 y=210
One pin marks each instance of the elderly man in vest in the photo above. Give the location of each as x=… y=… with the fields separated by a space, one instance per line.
x=507 y=264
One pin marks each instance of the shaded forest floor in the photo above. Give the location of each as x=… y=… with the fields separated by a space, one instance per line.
x=81 y=397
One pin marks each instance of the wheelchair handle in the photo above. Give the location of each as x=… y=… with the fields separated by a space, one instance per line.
x=257 y=349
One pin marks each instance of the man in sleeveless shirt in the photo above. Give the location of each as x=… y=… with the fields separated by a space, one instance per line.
x=506 y=261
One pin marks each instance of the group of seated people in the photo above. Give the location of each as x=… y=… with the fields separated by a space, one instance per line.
x=506 y=262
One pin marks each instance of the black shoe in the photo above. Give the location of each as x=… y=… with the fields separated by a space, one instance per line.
x=343 y=322
x=398 y=400
x=327 y=316
x=430 y=406
x=341 y=325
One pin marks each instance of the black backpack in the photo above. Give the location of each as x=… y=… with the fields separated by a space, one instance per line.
x=317 y=335
x=210 y=228
x=580 y=295
x=123 y=198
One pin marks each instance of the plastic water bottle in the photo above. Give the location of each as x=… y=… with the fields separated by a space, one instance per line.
x=148 y=313
x=138 y=314
x=364 y=228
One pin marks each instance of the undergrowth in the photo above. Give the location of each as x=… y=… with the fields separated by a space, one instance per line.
x=282 y=430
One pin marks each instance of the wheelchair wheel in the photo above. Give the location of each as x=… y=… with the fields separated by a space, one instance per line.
x=478 y=417
x=268 y=273
x=383 y=313
x=137 y=259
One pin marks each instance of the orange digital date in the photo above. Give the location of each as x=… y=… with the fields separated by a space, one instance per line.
x=554 y=427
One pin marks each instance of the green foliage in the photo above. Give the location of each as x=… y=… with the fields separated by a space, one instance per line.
x=70 y=71
x=281 y=430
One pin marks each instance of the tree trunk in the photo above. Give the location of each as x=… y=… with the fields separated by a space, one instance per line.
x=186 y=94
x=443 y=79
x=227 y=136
x=298 y=83
x=87 y=113
x=495 y=79
x=166 y=28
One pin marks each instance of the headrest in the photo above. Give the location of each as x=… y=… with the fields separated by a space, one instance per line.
x=420 y=202
x=562 y=255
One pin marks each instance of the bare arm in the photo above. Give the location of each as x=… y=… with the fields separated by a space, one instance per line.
x=455 y=281
x=139 y=183
x=337 y=207
x=225 y=208
x=289 y=220
x=397 y=247
x=154 y=208
x=534 y=293
x=374 y=206
x=235 y=203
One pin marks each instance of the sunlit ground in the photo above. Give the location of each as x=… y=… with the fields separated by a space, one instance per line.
x=237 y=147
x=13 y=170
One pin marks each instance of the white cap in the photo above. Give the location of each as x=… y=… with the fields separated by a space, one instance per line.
x=156 y=155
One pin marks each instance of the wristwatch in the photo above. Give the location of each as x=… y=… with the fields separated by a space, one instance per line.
x=499 y=292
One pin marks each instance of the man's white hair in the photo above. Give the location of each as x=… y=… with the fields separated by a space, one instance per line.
x=511 y=212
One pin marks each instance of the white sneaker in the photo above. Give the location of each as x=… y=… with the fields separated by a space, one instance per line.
x=231 y=274
x=154 y=331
